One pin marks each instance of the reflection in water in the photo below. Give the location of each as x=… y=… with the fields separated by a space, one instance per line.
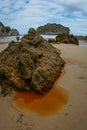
x=46 y=104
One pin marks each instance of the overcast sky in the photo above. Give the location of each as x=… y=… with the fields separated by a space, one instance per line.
x=23 y=14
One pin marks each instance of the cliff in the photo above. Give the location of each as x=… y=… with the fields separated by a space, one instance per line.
x=7 y=31
x=53 y=29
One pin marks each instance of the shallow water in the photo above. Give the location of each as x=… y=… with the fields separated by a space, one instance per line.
x=82 y=43
x=47 y=104
x=48 y=36
x=7 y=39
x=10 y=38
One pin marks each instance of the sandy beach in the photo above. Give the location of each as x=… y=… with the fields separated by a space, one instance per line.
x=72 y=116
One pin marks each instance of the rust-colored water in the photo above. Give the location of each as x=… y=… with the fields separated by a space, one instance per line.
x=46 y=104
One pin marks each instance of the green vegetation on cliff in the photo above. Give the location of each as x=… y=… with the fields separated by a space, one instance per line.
x=7 y=31
x=53 y=29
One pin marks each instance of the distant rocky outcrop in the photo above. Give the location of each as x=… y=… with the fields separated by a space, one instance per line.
x=7 y=31
x=53 y=29
x=64 y=38
x=13 y=32
x=32 y=63
x=81 y=37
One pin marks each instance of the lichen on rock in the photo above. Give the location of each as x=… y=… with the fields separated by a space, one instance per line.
x=32 y=63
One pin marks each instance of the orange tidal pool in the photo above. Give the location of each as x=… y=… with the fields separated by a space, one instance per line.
x=47 y=104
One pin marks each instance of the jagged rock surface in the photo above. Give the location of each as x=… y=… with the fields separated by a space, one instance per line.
x=66 y=38
x=32 y=63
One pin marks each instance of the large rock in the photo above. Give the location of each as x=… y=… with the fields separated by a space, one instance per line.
x=7 y=31
x=13 y=32
x=53 y=28
x=32 y=63
x=66 y=38
x=81 y=37
x=2 y=30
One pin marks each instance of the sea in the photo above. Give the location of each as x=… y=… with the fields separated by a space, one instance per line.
x=8 y=39
x=13 y=38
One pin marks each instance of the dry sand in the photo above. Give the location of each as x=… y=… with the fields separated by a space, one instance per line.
x=72 y=116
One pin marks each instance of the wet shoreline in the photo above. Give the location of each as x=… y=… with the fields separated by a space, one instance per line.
x=5 y=40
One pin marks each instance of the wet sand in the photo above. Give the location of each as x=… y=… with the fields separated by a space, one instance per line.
x=3 y=46
x=72 y=116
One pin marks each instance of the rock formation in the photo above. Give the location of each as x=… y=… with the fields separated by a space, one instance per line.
x=32 y=63
x=81 y=37
x=53 y=29
x=66 y=38
x=13 y=32
x=7 y=31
